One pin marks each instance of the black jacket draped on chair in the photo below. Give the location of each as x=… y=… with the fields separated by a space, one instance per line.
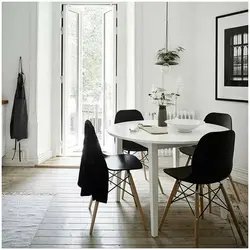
x=93 y=174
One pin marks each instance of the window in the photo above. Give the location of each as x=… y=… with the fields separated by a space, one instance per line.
x=236 y=56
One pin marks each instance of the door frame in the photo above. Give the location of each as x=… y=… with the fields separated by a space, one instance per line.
x=64 y=88
x=114 y=9
x=62 y=69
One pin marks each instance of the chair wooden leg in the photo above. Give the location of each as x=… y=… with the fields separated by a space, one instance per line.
x=172 y=195
x=145 y=172
x=209 y=197
x=124 y=185
x=188 y=160
x=90 y=202
x=144 y=168
x=135 y=194
x=160 y=186
x=201 y=201
x=234 y=187
x=93 y=217
x=197 y=216
x=131 y=190
x=230 y=208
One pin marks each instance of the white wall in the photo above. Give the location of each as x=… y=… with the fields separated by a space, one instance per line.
x=44 y=79
x=181 y=32
x=193 y=25
x=19 y=27
x=130 y=55
x=122 y=56
x=150 y=36
x=27 y=33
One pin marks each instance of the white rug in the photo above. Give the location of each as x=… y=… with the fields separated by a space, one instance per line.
x=22 y=215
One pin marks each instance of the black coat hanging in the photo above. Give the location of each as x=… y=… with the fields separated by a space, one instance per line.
x=19 y=116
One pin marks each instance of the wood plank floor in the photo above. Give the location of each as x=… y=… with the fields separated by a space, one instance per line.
x=42 y=209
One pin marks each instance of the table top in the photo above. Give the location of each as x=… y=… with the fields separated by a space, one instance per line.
x=174 y=138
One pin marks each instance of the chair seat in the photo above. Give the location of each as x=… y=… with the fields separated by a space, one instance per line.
x=187 y=150
x=185 y=174
x=122 y=162
x=132 y=146
x=180 y=173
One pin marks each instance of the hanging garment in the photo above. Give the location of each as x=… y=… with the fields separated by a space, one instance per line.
x=19 y=116
x=93 y=174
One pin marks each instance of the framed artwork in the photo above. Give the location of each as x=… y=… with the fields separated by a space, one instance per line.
x=231 y=55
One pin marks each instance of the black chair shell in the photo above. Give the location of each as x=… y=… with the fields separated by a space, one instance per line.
x=212 y=160
x=94 y=168
x=126 y=116
x=220 y=119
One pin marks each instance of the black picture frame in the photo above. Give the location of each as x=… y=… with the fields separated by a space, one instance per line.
x=226 y=87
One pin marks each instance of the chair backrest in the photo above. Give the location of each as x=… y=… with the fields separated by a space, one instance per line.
x=93 y=174
x=91 y=143
x=128 y=115
x=213 y=157
x=220 y=119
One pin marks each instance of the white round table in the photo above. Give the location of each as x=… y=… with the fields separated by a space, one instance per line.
x=173 y=139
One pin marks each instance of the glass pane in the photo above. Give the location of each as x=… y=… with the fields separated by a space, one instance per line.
x=239 y=39
x=93 y=68
x=237 y=61
x=72 y=78
x=235 y=39
x=245 y=60
x=245 y=38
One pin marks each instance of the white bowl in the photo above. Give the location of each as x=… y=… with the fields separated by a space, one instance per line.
x=184 y=125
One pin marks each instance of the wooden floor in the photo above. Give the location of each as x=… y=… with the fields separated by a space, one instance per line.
x=42 y=208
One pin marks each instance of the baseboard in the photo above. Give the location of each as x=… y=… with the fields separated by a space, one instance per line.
x=27 y=160
x=44 y=156
x=31 y=162
x=240 y=175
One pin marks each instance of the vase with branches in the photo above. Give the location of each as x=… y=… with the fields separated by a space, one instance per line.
x=164 y=99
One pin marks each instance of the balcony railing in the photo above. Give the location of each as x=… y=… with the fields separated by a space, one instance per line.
x=93 y=112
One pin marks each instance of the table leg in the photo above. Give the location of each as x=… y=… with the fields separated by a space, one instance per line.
x=223 y=212
x=176 y=157
x=118 y=151
x=153 y=181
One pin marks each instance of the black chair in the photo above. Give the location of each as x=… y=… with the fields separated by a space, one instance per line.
x=129 y=146
x=205 y=170
x=220 y=119
x=96 y=167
